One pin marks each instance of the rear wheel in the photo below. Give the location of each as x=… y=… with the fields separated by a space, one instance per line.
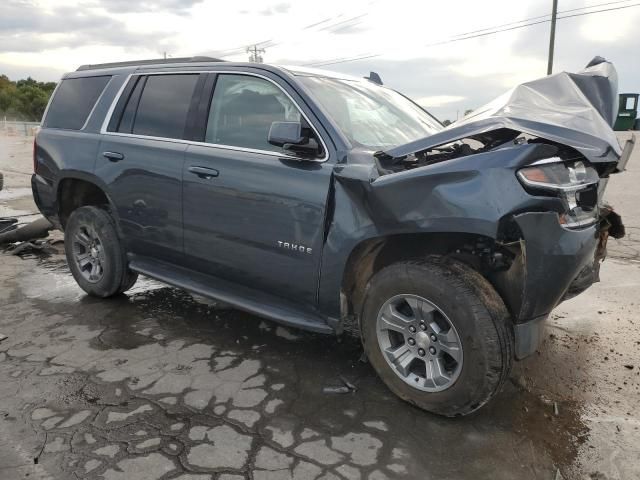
x=438 y=335
x=94 y=253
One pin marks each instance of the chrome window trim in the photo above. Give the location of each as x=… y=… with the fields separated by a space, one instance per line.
x=46 y=110
x=112 y=107
x=107 y=120
x=93 y=109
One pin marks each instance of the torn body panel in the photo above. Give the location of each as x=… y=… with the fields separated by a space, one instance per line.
x=515 y=239
x=573 y=109
x=472 y=195
x=550 y=264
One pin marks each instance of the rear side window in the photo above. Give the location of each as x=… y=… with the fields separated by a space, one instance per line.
x=163 y=106
x=73 y=102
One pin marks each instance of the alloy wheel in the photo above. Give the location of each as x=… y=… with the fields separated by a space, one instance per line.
x=419 y=342
x=88 y=253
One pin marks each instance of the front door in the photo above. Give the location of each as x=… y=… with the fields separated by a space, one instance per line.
x=253 y=215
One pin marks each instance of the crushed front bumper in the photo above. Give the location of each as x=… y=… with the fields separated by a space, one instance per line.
x=550 y=263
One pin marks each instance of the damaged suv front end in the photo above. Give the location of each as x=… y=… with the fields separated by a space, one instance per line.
x=554 y=137
x=522 y=178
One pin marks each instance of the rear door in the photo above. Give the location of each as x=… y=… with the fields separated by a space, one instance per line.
x=141 y=158
x=254 y=215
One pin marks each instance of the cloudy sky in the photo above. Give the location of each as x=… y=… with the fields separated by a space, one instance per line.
x=415 y=46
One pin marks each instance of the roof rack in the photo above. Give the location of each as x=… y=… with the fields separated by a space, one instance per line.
x=153 y=61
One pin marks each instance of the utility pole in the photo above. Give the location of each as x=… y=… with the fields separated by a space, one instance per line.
x=552 y=37
x=254 y=54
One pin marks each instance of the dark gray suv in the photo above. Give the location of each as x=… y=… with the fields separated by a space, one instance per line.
x=336 y=204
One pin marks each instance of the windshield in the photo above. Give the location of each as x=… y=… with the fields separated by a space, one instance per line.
x=370 y=115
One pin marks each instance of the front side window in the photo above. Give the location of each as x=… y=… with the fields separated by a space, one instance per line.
x=369 y=115
x=163 y=105
x=243 y=109
x=73 y=101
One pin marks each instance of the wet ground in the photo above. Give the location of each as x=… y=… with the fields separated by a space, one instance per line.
x=158 y=384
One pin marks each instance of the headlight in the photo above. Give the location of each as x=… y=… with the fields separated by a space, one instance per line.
x=576 y=183
x=553 y=174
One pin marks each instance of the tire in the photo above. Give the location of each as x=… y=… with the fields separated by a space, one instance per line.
x=463 y=378
x=95 y=255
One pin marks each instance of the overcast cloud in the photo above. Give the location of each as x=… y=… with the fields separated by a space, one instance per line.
x=44 y=38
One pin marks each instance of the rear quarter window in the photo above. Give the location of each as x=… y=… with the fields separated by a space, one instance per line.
x=73 y=101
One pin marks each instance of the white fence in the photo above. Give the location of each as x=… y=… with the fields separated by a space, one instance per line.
x=18 y=129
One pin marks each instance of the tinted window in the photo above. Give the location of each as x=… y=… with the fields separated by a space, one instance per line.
x=164 y=105
x=73 y=101
x=129 y=112
x=242 y=110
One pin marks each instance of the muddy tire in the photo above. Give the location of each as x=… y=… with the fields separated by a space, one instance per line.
x=437 y=334
x=94 y=253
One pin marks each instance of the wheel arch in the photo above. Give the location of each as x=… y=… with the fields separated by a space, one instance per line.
x=78 y=189
x=372 y=254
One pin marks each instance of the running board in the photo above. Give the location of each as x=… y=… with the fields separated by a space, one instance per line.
x=244 y=298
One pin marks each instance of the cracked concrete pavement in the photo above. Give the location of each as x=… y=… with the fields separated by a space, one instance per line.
x=159 y=384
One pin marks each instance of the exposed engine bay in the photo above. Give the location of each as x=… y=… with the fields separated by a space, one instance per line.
x=471 y=145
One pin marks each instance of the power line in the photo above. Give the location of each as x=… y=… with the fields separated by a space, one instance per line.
x=534 y=23
x=341 y=60
x=318 y=26
x=343 y=22
x=542 y=16
x=467 y=36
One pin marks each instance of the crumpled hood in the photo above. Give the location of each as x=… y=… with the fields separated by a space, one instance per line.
x=575 y=109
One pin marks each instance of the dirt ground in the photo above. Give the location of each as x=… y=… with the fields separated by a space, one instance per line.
x=159 y=384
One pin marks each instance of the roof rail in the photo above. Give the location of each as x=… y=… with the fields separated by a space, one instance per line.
x=153 y=61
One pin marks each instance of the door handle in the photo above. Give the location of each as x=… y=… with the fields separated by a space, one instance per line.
x=113 y=156
x=203 y=172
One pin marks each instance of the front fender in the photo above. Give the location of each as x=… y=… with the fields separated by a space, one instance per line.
x=470 y=194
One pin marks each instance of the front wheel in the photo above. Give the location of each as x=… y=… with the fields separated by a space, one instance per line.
x=94 y=253
x=437 y=334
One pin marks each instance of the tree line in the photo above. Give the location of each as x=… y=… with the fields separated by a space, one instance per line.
x=24 y=100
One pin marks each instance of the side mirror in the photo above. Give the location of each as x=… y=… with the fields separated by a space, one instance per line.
x=290 y=136
x=282 y=133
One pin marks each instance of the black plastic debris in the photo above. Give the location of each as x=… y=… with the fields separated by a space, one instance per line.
x=37 y=229
x=347 y=387
x=31 y=247
x=336 y=390
x=7 y=224
x=3 y=337
x=348 y=384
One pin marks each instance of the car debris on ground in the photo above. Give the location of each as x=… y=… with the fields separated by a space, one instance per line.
x=348 y=387
x=39 y=228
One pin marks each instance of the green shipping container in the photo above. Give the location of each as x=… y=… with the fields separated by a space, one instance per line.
x=627 y=112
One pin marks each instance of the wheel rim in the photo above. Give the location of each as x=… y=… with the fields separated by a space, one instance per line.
x=88 y=254
x=419 y=342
